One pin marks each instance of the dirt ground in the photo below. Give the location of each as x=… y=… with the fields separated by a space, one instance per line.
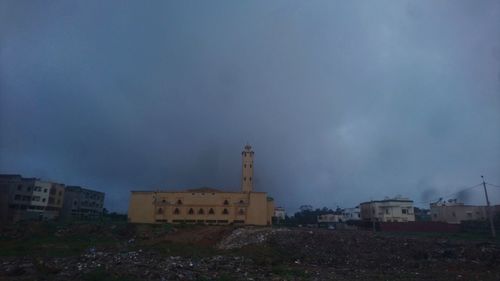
x=163 y=252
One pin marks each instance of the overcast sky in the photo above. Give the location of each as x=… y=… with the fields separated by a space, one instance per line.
x=342 y=101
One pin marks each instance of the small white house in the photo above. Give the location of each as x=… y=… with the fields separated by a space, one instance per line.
x=351 y=214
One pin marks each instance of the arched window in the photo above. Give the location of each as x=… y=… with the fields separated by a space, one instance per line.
x=176 y=211
x=160 y=211
x=191 y=211
x=241 y=212
x=201 y=212
x=211 y=211
x=225 y=211
x=179 y=202
x=226 y=202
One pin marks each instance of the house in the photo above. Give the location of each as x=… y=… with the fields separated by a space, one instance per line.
x=205 y=205
x=279 y=214
x=329 y=219
x=452 y=211
x=351 y=214
x=396 y=209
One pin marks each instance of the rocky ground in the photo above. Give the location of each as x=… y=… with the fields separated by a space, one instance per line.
x=142 y=252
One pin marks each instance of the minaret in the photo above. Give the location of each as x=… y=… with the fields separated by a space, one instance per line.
x=247 y=166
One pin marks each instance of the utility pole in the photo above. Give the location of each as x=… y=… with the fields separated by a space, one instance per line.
x=488 y=210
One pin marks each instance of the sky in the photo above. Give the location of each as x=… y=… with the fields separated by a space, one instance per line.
x=342 y=101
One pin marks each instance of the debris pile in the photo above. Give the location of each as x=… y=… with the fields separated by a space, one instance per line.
x=241 y=237
x=253 y=253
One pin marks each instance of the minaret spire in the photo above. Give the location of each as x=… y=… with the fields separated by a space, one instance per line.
x=247 y=168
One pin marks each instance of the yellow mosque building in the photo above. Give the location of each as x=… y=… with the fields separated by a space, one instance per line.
x=205 y=205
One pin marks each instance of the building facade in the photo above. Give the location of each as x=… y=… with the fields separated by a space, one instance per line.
x=397 y=209
x=351 y=214
x=329 y=219
x=454 y=212
x=35 y=199
x=205 y=205
x=82 y=203
x=280 y=213
x=29 y=198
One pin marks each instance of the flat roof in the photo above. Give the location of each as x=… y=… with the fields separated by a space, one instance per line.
x=387 y=200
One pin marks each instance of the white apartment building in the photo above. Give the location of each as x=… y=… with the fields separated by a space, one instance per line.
x=396 y=209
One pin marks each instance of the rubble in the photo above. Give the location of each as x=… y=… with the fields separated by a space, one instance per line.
x=253 y=253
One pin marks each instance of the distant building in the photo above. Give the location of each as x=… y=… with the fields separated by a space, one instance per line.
x=455 y=212
x=205 y=205
x=329 y=219
x=351 y=214
x=279 y=213
x=29 y=198
x=396 y=209
x=82 y=203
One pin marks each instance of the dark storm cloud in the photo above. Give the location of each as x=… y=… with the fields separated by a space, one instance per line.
x=342 y=102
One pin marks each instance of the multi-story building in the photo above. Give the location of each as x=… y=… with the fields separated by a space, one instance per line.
x=29 y=198
x=34 y=199
x=205 y=205
x=396 y=209
x=82 y=203
x=351 y=214
x=455 y=212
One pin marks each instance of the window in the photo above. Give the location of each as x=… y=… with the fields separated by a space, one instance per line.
x=387 y=211
x=58 y=201
x=469 y=215
x=160 y=211
x=211 y=211
x=453 y=214
x=60 y=193
x=191 y=211
x=404 y=211
x=244 y=165
x=17 y=197
x=250 y=165
x=225 y=202
x=241 y=202
x=244 y=179
x=176 y=211
x=241 y=212
x=45 y=190
x=163 y=201
x=250 y=178
x=29 y=188
x=19 y=187
x=179 y=202
x=43 y=199
x=201 y=212
x=225 y=212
